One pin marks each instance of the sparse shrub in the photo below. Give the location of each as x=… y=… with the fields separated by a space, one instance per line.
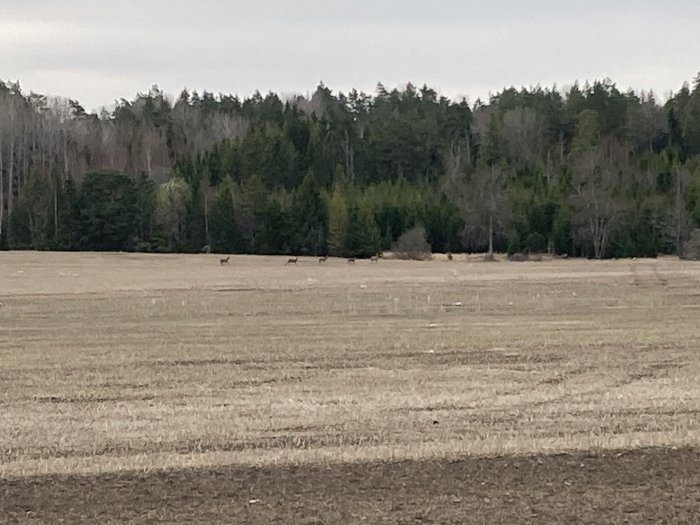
x=518 y=257
x=691 y=250
x=413 y=245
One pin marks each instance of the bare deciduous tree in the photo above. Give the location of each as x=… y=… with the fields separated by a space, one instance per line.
x=488 y=203
x=523 y=135
x=598 y=174
x=171 y=207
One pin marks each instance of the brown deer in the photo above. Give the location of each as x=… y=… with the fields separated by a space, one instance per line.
x=224 y=260
x=374 y=259
x=322 y=260
x=292 y=260
x=351 y=260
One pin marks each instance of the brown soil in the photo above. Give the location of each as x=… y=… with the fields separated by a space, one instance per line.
x=641 y=486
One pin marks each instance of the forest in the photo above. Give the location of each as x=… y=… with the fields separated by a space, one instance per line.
x=590 y=171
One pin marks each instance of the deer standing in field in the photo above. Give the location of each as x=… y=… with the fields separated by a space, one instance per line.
x=291 y=260
x=351 y=260
x=374 y=259
x=322 y=260
x=224 y=260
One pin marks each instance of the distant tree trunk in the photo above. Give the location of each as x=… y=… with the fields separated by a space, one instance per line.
x=469 y=149
x=597 y=238
x=19 y=161
x=32 y=236
x=352 y=163
x=65 y=155
x=55 y=210
x=25 y=159
x=2 y=187
x=206 y=213
x=493 y=189
x=679 y=198
x=349 y=158
x=491 y=234
x=10 y=178
x=149 y=163
x=451 y=163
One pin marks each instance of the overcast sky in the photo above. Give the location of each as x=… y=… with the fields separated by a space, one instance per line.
x=100 y=50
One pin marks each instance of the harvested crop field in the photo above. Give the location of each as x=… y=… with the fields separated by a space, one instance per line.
x=170 y=387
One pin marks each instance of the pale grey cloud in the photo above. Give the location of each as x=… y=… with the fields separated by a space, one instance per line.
x=101 y=51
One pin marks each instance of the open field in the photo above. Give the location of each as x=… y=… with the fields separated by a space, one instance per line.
x=180 y=389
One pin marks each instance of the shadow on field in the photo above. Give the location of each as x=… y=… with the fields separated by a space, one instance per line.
x=650 y=486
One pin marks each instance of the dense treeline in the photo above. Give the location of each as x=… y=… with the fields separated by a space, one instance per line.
x=592 y=171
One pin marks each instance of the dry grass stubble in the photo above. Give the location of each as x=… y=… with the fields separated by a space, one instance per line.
x=113 y=362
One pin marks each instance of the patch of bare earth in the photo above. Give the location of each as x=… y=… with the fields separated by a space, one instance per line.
x=641 y=486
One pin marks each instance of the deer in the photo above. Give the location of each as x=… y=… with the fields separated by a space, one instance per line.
x=374 y=259
x=322 y=260
x=291 y=260
x=224 y=260
x=351 y=260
